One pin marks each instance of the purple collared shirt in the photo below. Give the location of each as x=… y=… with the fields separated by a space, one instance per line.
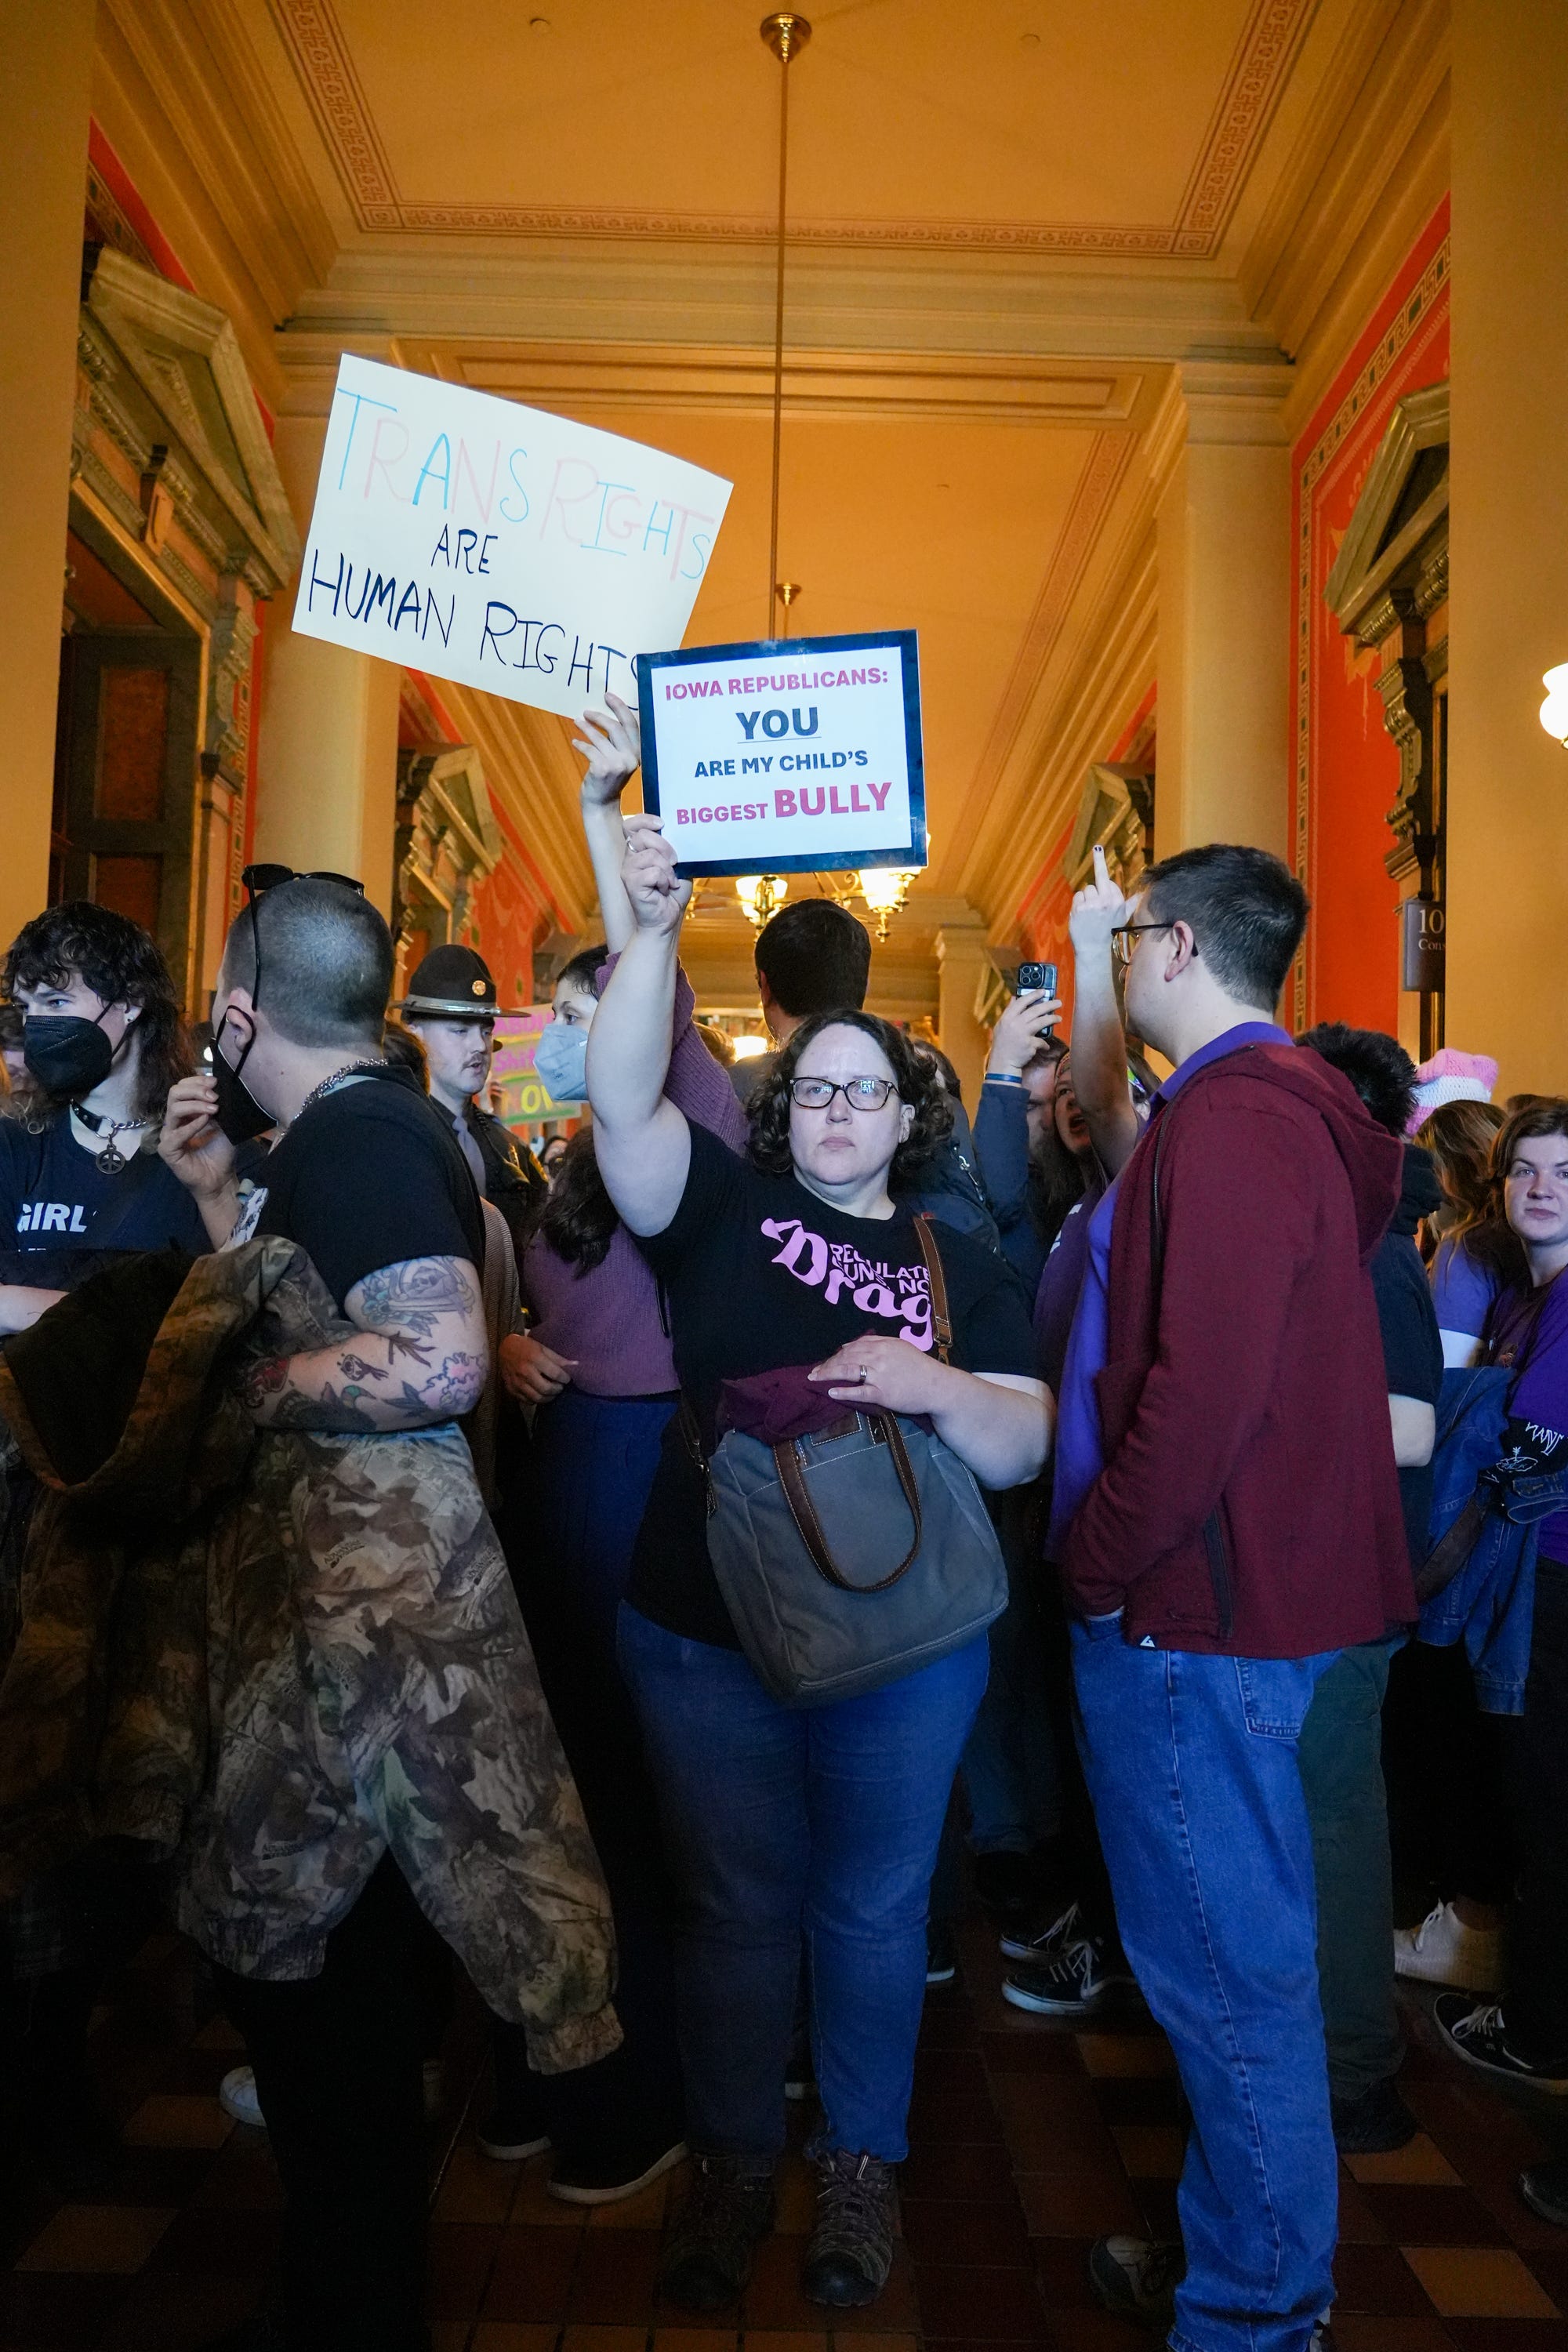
x=1080 y=1447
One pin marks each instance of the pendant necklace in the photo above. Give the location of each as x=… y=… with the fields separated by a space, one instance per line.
x=110 y=1159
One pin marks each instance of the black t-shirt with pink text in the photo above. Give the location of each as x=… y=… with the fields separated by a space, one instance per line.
x=760 y=1274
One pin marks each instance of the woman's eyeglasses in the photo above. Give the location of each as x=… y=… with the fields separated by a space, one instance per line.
x=860 y=1094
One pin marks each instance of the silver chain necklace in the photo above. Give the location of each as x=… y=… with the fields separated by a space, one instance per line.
x=110 y=1159
x=349 y=1070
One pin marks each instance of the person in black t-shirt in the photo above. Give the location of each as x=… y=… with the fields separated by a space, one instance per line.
x=81 y=1179
x=371 y=1183
x=1341 y=1750
x=784 y=1823
x=93 y=1009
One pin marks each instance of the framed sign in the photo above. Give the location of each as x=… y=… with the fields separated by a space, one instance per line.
x=798 y=757
x=498 y=545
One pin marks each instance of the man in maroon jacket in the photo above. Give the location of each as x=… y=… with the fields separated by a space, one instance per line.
x=1226 y=1478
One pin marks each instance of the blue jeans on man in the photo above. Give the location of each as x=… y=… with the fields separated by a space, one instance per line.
x=1190 y=1760
x=792 y=1829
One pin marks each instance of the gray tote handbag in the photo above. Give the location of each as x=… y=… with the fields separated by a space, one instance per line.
x=857 y=1554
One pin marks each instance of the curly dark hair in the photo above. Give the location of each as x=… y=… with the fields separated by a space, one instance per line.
x=122 y=964
x=918 y=1080
x=577 y=1219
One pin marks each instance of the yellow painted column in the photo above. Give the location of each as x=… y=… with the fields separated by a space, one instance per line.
x=962 y=960
x=1223 y=552
x=327 y=754
x=1508 y=781
x=45 y=75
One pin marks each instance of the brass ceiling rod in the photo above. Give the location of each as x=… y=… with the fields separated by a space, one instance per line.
x=786 y=34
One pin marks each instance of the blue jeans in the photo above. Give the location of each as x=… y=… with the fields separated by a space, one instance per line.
x=792 y=1828
x=1190 y=1761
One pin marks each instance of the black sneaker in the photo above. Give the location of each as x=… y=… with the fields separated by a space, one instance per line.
x=1373 y=2122
x=1076 y=1982
x=850 y=2250
x=606 y=2180
x=511 y=2139
x=1036 y=1943
x=1137 y=2278
x=731 y=2207
x=1544 y=2189
x=1476 y=2032
x=942 y=1955
x=1007 y=1884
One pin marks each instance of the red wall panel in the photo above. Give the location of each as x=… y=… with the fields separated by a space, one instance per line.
x=1346 y=767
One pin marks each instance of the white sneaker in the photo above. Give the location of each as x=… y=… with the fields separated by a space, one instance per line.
x=236 y=2098
x=1443 y=1950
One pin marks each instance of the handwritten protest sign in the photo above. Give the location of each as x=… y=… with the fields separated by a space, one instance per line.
x=498 y=545
x=791 y=758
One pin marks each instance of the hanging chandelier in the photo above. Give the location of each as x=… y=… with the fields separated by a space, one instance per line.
x=884 y=888
x=761 y=896
x=785 y=35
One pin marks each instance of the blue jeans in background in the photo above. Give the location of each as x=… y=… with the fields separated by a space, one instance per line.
x=1010 y=1772
x=1190 y=1761
x=790 y=1828
x=1341 y=1756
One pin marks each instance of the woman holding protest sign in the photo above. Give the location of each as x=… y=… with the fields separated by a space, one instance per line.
x=795 y=1825
x=596 y=1367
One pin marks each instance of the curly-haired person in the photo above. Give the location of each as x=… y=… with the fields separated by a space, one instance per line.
x=794 y=1832
x=79 y=1172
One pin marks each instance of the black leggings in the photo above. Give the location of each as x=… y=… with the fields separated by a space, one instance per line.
x=337 y=2060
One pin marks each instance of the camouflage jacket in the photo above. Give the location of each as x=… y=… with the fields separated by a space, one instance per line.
x=272 y=1656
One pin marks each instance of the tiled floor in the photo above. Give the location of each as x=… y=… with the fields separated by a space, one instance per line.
x=1029 y=2140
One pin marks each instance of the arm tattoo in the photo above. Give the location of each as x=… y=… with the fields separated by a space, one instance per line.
x=261 y=1380
x=454 y=1387
x=411 y=1295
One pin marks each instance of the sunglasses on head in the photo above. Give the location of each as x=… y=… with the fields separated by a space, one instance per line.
x=258 y=880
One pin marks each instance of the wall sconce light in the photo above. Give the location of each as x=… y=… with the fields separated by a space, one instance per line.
x=1555 y=709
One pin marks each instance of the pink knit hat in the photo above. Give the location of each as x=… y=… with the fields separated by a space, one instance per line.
x=1451 y=1076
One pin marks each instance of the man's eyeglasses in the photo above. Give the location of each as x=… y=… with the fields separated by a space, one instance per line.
x=860 y=1094
x=1125 y=936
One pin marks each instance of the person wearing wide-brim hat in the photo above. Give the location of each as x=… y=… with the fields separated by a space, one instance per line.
x=452 y=1008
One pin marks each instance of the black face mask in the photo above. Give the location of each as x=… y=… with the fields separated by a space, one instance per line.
x=68 y=1055
x=239 y=1114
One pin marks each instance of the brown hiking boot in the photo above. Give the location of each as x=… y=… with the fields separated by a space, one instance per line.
x=850 y=2250
x=729 y=2208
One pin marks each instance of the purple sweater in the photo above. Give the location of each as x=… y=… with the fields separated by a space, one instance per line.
x=608 y=1320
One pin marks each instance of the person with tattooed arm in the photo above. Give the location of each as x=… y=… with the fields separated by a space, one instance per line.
x=370 y=1182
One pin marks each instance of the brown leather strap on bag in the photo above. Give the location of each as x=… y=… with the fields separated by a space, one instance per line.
x=941 y=1323
x=802 y=1510
x=1448 y=1555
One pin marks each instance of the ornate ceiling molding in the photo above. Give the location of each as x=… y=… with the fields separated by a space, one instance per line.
x=1269 y=42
